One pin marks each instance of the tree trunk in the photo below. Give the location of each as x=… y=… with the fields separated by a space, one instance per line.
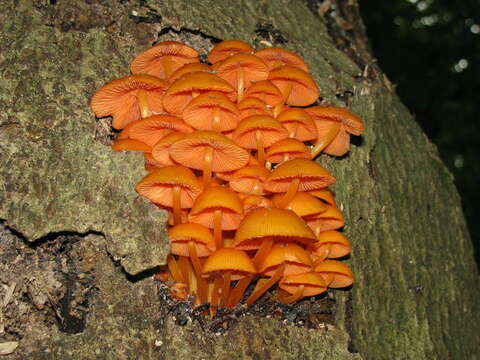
x=71 y=216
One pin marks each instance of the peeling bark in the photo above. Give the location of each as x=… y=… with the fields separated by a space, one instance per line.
x=416 y=292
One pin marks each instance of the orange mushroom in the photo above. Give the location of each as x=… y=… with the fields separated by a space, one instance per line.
x=331 y=244
x=286 y=149
x=330 y=219
x=302 y=285
x=252 y=106
x=325 y=195
x=208 y=151
x=335 y=273
x=252 y=202
x=188 y=68
x=161 y=149
x=267 y=92
x=275 y=57
x=218 y=208
x=153 y=128
x=130 y=144
x=298 y=123
x=334 y=126
x=303 y=204
x=171 y=186
x=249 y=179
x=227 y=48
x=164 y=59
x=212 y=111
x=129 y=99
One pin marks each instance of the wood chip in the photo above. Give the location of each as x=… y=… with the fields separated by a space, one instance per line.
x=8 y=347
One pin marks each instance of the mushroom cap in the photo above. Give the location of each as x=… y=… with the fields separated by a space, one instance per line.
x=180 y=235
x=189 y=68
x=252 y=202
x=304 y=90
x=150 y=61
x=229 y=259
x=217 y=198
x=161 y=149
x=227 y=156
x=290 y=147
x=279 y=224
x=266 y=91
x=153 y=128
x=303 y=204
x=275 y=57
x=330 y=219
x=338 y=243
x=325 y=195
x=249 y=179
x=253 y=68
x=130 y=144
x=311 y=175
x=200 y=112
x=180 y=93
x=118 y=98
x=296 y=259
x=158 y=186
x=298 y=121
x=252 y=106
x=227 y=48
x=342 y=275
x=151 y=163
x=271 y=130
x=313 y=283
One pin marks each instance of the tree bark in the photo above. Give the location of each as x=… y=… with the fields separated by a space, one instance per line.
x=416 y=294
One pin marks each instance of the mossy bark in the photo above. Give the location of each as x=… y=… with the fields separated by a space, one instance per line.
x=416 y=294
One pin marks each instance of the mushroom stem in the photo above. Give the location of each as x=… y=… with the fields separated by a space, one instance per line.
x=290 y=194
x=226 y=289
x=294 y=130
x=237 y=292
x=266 y=285
x=217 y=228
x=216 y=119
x=323 y=142
x=294 y=297
x=260 y=147
x=197 y=266
x=263 y=251
x=184 y=269
x=207 y=167
x=177 y=210
x=240 y=84
x=143 y=104
x=217 y=284
x=174 y=269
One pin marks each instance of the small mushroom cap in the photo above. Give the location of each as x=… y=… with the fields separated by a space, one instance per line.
x=279 y=224
x=330 y=219
x=217 y=198
x=181 y=92
x=336 y=241
x=275 y=57
x=298 y=121
x=311 y=175
x=200 y=112
x=252 y=202
x=130 y=144
x=303 y=204
x=180 y=235
x=253 y=106
x=325 y=195
x=118 y=98
x=266 y=91
x=151 y=60
x=151 y=163
x=290 y=147
x=227 y=48
x=229 y=259
x=190 y=151
x=161 y=149
x=296 y=259
x=304 y=90
x=271 y=130
x=153 y=128
x=249 y=179
x=158 y=186
x=188 y=68
x=342 y=275
x=252 y=67
x=313 y=283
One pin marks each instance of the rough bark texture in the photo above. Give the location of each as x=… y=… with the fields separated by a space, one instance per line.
x=416 y=292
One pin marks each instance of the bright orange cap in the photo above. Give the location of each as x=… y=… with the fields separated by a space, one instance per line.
x=151 y=129
x=331 y=244
x=303 y=204
x=182 y=234
x=287 y=149
x=335 y=273
x=227 y=48
x=275 y=57
x=282 y=225
x=330 y=219
x=158 y=186
x=297 y=86
x=252 y=106
x=298 y=123
x=129 y=144
x=252 y=202
x=188 y=68
x=266 y=91
x=296 y=259
x=325 y=195
x=190 y=151
x=313 y=284
x=311 y=175
x=182 y=91
x=161 y=149
x=271 y=131
x=228 y=259
x=119 y=98
x=249 y=179
x=164 y=59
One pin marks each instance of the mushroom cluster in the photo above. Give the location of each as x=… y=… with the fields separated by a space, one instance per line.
x=229 y=148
